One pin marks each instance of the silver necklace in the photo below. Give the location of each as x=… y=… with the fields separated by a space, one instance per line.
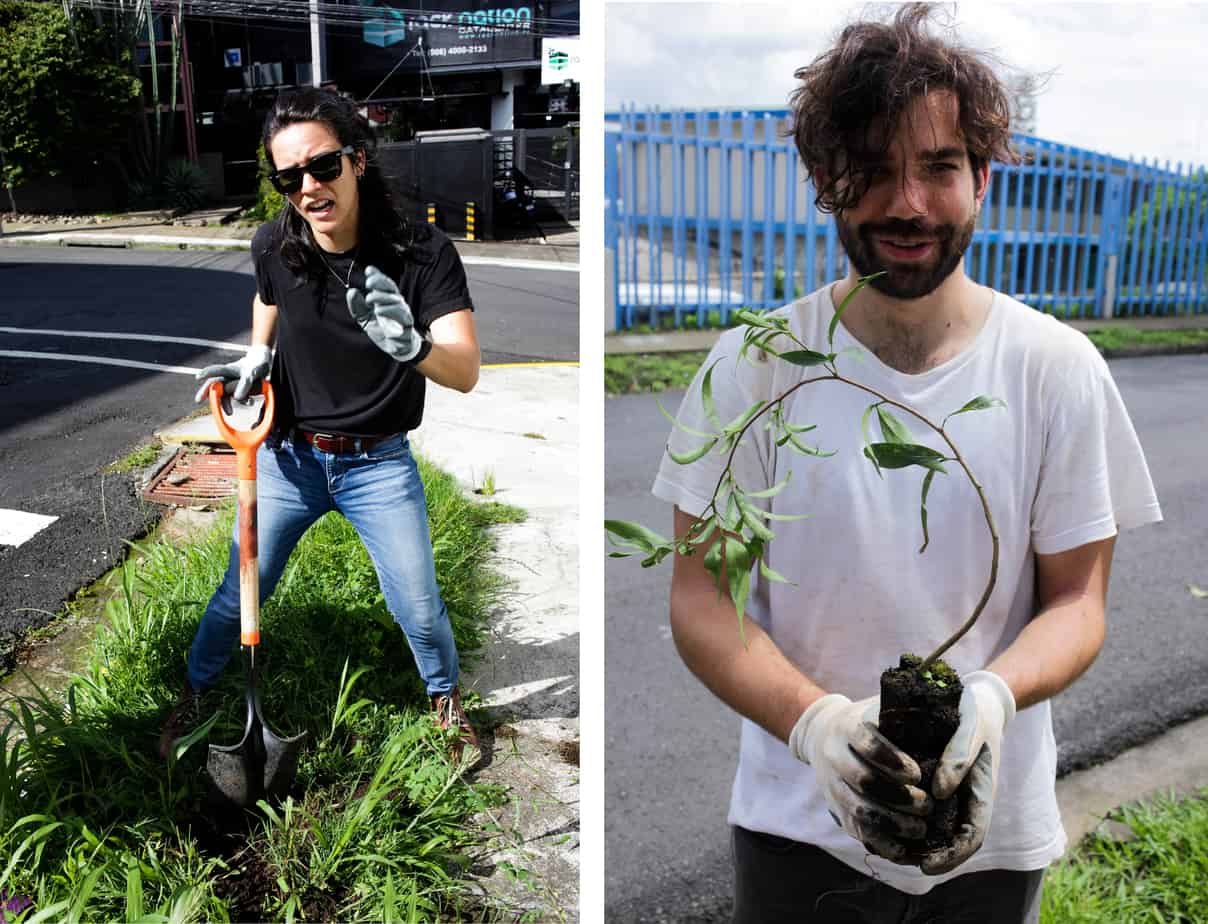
x=346 y=283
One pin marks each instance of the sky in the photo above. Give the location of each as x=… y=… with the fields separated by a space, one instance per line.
x=1126 y=79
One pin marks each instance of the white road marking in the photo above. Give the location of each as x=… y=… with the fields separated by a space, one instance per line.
x=109 y=335
x=103 y=360
x=18 y=527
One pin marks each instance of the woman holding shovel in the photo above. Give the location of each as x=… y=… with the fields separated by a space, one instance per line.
x=365 y=308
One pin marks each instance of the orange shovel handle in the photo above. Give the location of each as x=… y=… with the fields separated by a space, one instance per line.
x=245 y=443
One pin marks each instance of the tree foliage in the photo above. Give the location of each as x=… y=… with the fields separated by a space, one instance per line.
x=64 y=100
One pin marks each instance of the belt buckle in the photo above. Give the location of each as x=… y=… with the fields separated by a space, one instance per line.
x=326 y=438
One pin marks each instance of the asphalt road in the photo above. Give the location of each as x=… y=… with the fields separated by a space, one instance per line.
x=61 y=422
x=672 y=748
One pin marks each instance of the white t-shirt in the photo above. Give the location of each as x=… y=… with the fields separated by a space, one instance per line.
x=1061 y=466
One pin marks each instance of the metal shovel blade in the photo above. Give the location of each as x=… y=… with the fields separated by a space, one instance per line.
x=262 y=765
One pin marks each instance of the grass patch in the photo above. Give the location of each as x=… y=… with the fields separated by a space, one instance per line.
x=140 y=458
x=93 y=826
x=1121 y=337
x=631 y=373
x=1157 y=876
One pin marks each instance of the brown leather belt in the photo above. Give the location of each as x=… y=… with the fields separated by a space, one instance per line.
x=327 y=442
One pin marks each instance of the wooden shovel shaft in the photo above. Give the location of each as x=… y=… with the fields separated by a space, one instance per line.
x=245 y=443
x=249 y=565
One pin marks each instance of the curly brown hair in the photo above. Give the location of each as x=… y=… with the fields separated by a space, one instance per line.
x=871 y=75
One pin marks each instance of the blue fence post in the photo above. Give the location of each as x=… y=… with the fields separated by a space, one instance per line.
x=769 y=212
x=748 y=208
x=611 y=232
x=1111 y=239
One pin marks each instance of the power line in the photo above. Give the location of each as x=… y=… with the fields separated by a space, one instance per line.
x=299 y=11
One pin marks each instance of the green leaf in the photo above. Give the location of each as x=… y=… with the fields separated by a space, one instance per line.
x=688 y=458
x=771 y=575
x=923 y=508
x=796 y=444
x=773 y=490
x=830 y=333
x=864 y=423
x=712 y=561
x=980 y=403
x=753 y=319
x=738 y=573
x=657 y=556
x=181 y=745
x=753 y=517
x=736 y=425
x=633 y=534
x=892 y=429
x=901 y=455
x=679 y=426
x=706 y=396
x=806 y=357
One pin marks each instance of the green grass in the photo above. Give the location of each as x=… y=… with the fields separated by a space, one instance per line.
x=93 y=826
x=630 y=373
x=1159 y=876
x=140 y=458
x=1122 y=337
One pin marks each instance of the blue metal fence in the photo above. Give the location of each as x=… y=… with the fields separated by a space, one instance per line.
x=707 y=212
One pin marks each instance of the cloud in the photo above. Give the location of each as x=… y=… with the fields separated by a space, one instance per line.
x=1123 y=76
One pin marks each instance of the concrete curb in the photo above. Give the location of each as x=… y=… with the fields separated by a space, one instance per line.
x=553 y=262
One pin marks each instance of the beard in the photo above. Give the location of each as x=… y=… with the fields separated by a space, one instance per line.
x=905 y=280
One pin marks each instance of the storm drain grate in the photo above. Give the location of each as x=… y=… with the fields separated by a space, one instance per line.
x=191 y=479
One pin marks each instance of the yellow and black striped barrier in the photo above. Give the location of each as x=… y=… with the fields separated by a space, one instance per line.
x=431 y=213
x=470 y=221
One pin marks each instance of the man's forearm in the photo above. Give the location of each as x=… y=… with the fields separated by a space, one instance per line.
x=1053 y=650
x=757 y=681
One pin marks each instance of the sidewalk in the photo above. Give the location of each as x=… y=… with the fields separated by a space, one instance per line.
x=216 y=229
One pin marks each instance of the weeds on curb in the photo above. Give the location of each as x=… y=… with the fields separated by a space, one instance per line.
x=93 y=826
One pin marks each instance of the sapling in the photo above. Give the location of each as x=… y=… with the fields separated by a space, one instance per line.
x=919 y=697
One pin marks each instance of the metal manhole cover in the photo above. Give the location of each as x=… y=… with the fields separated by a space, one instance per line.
x=191 y=479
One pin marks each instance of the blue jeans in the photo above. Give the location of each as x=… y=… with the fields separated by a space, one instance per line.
x=381 y=495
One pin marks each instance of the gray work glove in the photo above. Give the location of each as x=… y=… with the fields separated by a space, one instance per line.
x=384 y=315
x=970 y=760
x=869 y=785
x=247 y=372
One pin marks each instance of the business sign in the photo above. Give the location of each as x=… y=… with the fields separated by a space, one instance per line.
x=451 y=33
x=560 y=60
x=233 y=57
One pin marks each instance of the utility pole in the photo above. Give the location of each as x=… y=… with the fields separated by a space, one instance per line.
x=318 y=46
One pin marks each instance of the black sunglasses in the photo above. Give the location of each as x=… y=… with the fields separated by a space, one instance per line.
x=324 y=168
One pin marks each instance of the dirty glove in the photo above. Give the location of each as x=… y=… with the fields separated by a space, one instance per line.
x=248 y=371
x=869 y=785
x=384 y=315
x=971 y=760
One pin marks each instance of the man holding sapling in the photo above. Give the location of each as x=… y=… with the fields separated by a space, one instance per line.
x=897 y=128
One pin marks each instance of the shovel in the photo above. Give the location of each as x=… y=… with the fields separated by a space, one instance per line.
x=262 y=765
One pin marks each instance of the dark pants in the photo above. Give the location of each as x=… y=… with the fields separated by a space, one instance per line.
x=782 y=880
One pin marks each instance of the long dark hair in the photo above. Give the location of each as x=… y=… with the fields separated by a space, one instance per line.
x=381 y=230
x=875 y=71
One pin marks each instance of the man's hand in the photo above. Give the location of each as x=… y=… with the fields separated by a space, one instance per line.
x=869 y=785
x=384 y=315
x=248 y=372
x=971 y=760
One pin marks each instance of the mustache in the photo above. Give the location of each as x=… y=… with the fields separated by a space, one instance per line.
x=913 y=228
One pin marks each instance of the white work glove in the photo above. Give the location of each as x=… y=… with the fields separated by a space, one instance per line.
x=248 y=372
x=869 y=785
x=384 y=315
x=970 y=761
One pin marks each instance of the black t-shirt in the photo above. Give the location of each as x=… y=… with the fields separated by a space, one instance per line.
x=328 y=375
